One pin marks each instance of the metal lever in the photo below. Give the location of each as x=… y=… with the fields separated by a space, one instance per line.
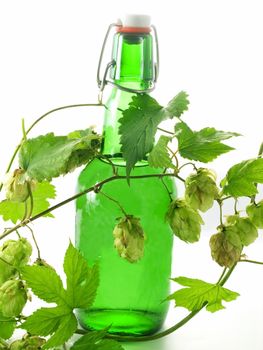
x=102 y=82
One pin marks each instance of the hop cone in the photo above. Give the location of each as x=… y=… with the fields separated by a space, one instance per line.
x=226 y=247
x=16 y=186
x=244 y=227
x=201 y=189
x=6 y=271
x=29 y=343
x=184 y=221
x=18 y=252
x=255 y=213
x=13 y=254
x=129 y=238
x=13 y=298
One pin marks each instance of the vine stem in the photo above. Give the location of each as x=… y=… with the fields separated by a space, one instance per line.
x=169 y=330
x=188 y=163
x=219 y=201
x=35 y=241
x=41 y=118
x=167 y=132
x=90 y=189
x=115 y=201
x=251 y=261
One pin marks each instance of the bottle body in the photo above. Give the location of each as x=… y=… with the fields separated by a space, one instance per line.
x=130 y=297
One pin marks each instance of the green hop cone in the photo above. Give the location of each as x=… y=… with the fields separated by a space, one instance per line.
x=184 y=221
x=129 y=238
x=226 y=247
x=6 y=271
x=201 y=189
x=16 y=252
x=255 y=213
x=13 y=298
x=28 y=343
x=17 y=186
x=244 y=227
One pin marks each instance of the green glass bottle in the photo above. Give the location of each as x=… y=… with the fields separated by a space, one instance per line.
x=130 y=296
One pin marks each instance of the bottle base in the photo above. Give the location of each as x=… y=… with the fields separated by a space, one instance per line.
x=122 y=322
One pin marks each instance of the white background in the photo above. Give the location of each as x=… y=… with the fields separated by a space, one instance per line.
x=213 y=50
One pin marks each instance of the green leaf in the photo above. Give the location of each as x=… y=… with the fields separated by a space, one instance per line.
x=241 y=178
x=198 y=293
x=59 y=321
x=178 y=105
x=82 y=281
x=204 y=145
x=48 y=156
x=138 y=127
x=15 y=211
x=67 y=326
x=139 y=124
x=45 y=283
x=45 y=321
x=159 y=156
x=7 y=326
x=94 y=341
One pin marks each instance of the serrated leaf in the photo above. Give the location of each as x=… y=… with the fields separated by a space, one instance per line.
x=15 y=211
x=7 y=326
x=159 y=155
x=178 y=105
x=45 y=283
x=138 y=127
x=67 y=326
x=94 y=341
x=204 y=145
x=198 y=293
x=45 y=321
x=241 y=178
x=82 y=281
x=48 y=156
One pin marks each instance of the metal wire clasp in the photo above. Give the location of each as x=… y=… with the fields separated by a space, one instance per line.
x=102 y=82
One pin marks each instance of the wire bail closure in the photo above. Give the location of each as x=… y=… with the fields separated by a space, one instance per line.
x=102 y=82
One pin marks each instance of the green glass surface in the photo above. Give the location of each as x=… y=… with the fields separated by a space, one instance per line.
x=130 y=296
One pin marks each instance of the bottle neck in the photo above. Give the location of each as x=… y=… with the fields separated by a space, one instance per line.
x=134 y=69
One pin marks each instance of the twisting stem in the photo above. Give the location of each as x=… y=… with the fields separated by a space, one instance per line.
x=222 y=275
x=180 y=178
x=23 y=129
x=251 y=261
x=41 y=118
x=224 y=198
x=167 y=132
x=229 y=273
x=174 y=156
x=188 y=163
x=169 y=330
x=31 y=200
x=107 y=159
x=219 y=201
x=35 y=241
x=115 y=201
x=90 y=189
x=167 y=189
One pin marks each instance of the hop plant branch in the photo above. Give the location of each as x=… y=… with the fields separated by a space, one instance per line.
x=90 y=189
x=38 y=120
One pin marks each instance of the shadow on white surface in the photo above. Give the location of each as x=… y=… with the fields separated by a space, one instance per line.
x=158 y=344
